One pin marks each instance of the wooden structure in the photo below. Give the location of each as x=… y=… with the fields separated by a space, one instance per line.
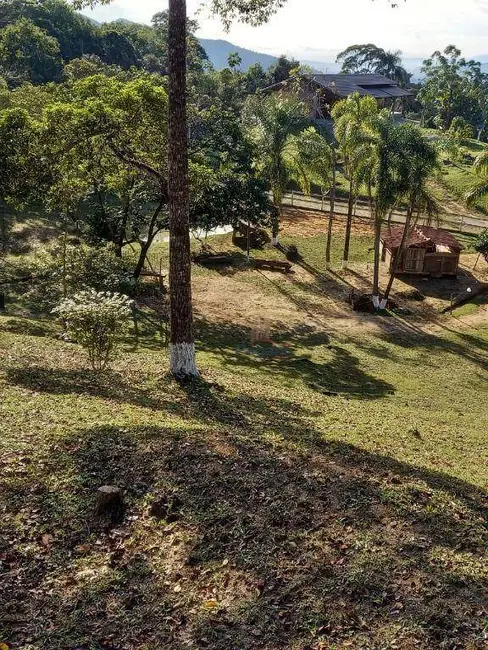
x=272 y=265
x=322 y=91
x=429 y=251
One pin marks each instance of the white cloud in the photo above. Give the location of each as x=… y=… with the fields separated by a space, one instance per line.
x=311 y=28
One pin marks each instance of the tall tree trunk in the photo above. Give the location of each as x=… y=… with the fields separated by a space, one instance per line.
x=376 y=268
x=400 y=251
x=182 y=344
x=276 y=216
x=331 y=213
x=122 y=226
x=152 y=231
x=347 y=242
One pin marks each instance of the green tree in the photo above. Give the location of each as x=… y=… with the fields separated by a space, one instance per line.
x=196 y=57
x=225 y=186
x=369 y=58
x=281 y=70
x=30 y=52
x=480 y=191
x=20 y=172
x=384 y=132
x=460 y=130
x=88 y=66
x=314 y=163
x=481 y=244
x=234 y=61
x=118 y=50
x=274 y=120
x=75 y=34
x=254 y=78
x=453 y=86
x=416 y=162
x=108 y=159
x=353 y=120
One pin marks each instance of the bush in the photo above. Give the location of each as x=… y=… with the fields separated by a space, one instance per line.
x=481 y=244
x=84 y=268
x=94 y=320
x=461 y=130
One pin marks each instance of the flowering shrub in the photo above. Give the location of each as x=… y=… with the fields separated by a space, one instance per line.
x=95 y=320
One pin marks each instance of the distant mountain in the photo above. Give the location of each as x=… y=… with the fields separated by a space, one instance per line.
x=91 y=20
x=218 y=52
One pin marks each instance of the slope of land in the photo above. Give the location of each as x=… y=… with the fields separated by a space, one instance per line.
x=326 y=491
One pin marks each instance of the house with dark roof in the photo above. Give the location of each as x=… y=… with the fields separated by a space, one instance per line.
x=322 y=91
x=428 y=251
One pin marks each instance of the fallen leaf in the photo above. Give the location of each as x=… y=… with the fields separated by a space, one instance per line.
x=210 y=604
x=83 y=548
x=177 y=589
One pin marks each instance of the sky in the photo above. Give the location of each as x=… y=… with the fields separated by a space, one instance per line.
x=315 y=29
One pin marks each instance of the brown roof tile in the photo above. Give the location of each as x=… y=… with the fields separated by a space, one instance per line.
x=420 y=236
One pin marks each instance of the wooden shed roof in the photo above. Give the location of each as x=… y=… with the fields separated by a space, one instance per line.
x=375 y=85
x=421 y=237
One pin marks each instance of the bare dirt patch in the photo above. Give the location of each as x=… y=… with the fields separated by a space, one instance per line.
x=306 y=223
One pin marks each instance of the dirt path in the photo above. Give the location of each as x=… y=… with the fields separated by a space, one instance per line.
x=454 y=213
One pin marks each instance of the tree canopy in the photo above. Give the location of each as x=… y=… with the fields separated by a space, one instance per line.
x=369 y=58
x=453 y=86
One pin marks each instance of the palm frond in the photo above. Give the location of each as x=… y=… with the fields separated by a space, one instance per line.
x=481 y=164
x=476 y=194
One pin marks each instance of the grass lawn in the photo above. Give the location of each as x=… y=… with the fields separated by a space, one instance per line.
x=324 y=492
x=471 y=307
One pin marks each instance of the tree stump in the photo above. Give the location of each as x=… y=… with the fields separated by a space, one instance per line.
x=110 y=500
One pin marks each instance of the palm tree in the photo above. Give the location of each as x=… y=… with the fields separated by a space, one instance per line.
x=481 y=190
x=314 y=161
x=415 y=164
x=332 y=208
x=274 y=121
x=384 y=132
x=354 y=117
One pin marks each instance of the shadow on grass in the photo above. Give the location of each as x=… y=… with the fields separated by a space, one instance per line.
x=27 y=326
x=405 y=334
x=107 y=385
x=340 y=374
x=271 y=547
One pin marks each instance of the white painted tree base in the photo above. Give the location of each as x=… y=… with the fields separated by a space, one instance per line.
x=376 y=302
x=182 y=360
x=274 y=241
x=383 y=304
x=344 y=265
x=328 y=267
